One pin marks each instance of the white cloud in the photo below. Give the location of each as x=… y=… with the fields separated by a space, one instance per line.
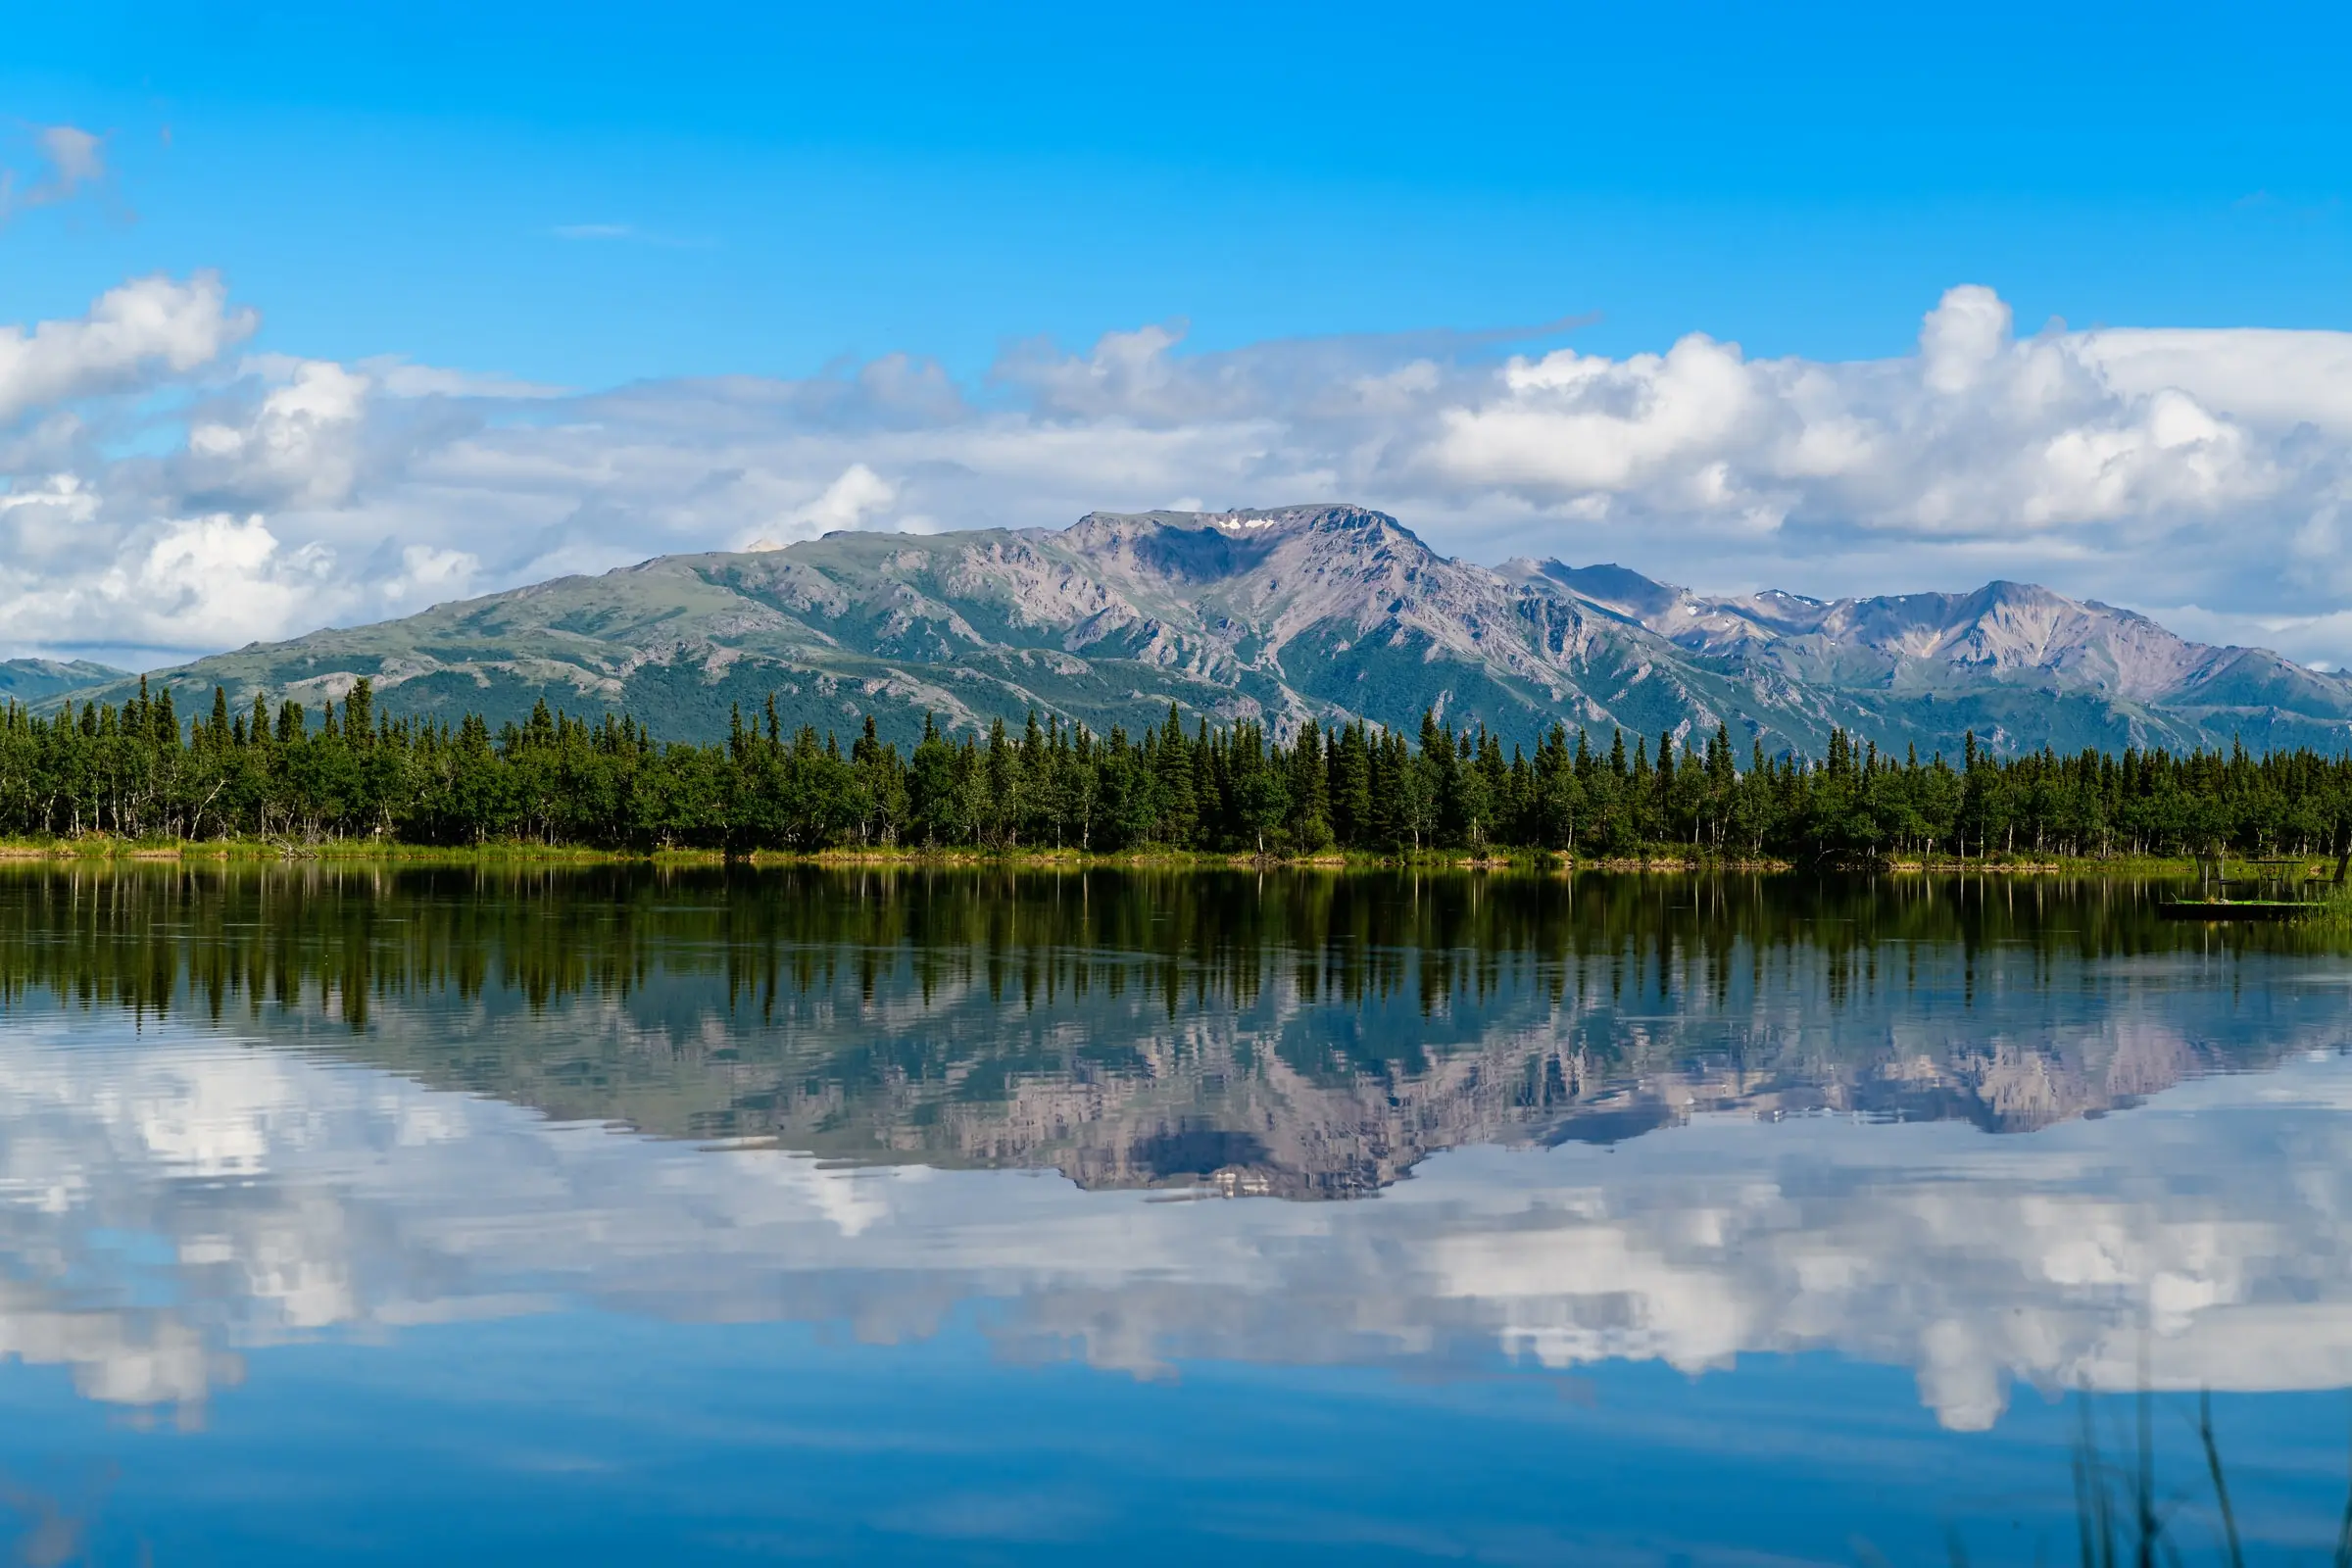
x=1129 y=374
x=75 y=155
x=1570 y=423
x=300 y=446
x=2264 y=376
x=132 y=337
x=397 y=378
x=1978 y=435
x=1962 y=339
x=428 y=577
x=210 y=581
x=2149 y=468
x=859 y=494
x=76 y=159
x=214 y=577
x=47 y=519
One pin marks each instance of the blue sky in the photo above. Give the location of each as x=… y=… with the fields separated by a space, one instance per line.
x=324 y=313
x=802 y=183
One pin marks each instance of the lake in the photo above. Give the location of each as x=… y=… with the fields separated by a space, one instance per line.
x=638 y=1214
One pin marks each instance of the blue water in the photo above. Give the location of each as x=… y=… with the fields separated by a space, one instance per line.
x=460 y=1281
x=593 y=1436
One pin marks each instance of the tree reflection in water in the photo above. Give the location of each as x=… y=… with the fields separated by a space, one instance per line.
x=1299 y=1032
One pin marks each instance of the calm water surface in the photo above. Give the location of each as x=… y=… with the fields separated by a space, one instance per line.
x=639 y=1217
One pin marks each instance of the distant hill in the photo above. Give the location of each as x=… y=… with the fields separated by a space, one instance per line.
x=1319 y=611
x=37 y=682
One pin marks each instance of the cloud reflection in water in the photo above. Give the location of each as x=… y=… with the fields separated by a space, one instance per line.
x=173 y=1199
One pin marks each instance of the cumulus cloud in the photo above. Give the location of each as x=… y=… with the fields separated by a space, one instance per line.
x=299 y=447
x=847 y=503
x=428 y=577
x=135 y=336
x=2200 y=476
x=2276 y=378
x=47 y=519
x=193 y=582
x=216 y=575
x=1977 y=436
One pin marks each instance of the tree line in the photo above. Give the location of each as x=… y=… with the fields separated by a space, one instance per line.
x=138 y=770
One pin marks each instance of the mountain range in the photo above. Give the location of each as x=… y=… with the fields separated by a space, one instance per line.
x=41 y=682
x=1321 y=613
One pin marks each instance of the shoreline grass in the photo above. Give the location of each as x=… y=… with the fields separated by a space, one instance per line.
x=1657 y=859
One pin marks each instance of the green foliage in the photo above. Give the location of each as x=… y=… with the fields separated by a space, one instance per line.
x=137 y=771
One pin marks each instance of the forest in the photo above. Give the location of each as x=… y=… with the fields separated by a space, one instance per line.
x=141 y=771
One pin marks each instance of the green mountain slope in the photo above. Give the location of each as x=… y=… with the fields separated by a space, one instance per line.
x=39 y=681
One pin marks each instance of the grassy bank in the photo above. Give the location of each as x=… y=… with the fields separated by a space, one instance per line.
x=1660 y=859
x=98 y=848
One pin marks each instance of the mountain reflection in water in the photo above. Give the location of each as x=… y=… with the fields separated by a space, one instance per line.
x=1296 y=1034
x=255 y=1066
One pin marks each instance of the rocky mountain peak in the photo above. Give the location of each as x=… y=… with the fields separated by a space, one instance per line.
x=1323 y=517
x=2005 y=634
x=1612 y=587
x=1100 y=528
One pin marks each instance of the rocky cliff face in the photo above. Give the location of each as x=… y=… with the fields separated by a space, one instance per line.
x=1320 y=613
